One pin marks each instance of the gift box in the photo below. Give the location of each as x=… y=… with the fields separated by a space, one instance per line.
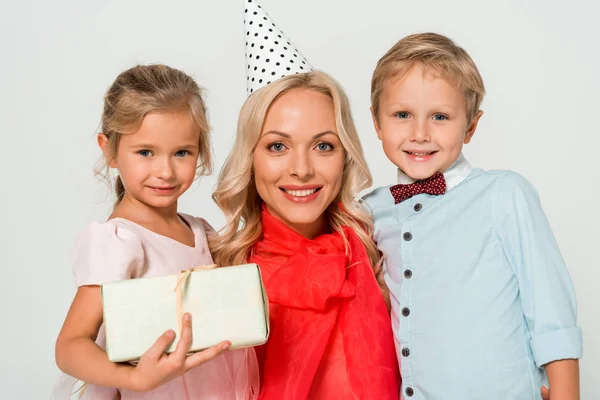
x=228 y=303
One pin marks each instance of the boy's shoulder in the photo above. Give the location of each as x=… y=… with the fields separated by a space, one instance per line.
x=378 y=197
x=501 y=182
x=505 y=181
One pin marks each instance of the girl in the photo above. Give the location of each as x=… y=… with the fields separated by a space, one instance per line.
x=290 y=184
x=155 y=133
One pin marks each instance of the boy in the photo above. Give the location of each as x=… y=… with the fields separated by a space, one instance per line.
x=482 y=304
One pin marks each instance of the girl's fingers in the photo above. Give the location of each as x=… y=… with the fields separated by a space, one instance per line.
x=160 y=346
x=206 y=355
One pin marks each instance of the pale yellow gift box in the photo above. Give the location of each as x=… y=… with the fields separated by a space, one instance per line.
x=228 y=303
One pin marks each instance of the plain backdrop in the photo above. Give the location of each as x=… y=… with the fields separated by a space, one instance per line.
x=539 y=60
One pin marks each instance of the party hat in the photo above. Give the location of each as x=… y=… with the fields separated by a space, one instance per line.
x=270 y=55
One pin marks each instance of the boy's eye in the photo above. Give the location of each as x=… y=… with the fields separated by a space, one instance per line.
x=440 y=117
x=145 y=153
x=182 y=153
x=401 y=114
x=324 y=146
x=277 y=147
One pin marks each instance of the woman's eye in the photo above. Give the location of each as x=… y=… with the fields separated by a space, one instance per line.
x=182 y=153
x=276 y=147
x=402 y=114
x=145 y=153
x=440 y=117
x=324 y=146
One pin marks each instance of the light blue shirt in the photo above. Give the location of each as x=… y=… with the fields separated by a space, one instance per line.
x=481 y=297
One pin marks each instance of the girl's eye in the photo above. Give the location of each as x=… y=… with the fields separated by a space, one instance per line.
x=182 y=153
x=145 y=153
x=277 y=147
x=440 y=117
x=402 y=114
x=324 y=146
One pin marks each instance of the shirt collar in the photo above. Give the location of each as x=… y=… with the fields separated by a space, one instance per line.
x=454 y=175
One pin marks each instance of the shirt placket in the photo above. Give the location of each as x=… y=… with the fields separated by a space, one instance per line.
x=406 y=309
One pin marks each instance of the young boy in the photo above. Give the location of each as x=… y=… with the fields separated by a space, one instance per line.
x=482 y=304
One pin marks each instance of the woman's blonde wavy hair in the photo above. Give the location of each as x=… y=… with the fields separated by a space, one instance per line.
x=236 y=192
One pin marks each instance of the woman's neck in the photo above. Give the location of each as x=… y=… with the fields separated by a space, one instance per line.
x=309 y=230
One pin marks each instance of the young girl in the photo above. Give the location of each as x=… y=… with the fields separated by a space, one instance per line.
x=155 y=133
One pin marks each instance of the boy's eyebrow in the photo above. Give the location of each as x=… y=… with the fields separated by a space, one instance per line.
x=287 y=136
x=408 y=103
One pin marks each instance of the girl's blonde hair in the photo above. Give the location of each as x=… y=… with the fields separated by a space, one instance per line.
x=435 y=53
x=144 y=89
x=236 y=192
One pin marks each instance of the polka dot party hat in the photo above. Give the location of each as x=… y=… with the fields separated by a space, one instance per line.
x=270 y=55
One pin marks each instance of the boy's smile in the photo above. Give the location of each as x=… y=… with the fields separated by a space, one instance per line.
x=423 y=123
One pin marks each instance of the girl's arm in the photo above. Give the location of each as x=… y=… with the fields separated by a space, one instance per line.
x=563 y=377
x=78 y=355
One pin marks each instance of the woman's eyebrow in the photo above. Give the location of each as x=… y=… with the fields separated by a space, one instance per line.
x=285 y=135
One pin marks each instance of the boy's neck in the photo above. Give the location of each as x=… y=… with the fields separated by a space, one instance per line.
x=455 y=174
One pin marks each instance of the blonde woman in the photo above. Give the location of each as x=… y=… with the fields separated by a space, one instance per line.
x=288 y=190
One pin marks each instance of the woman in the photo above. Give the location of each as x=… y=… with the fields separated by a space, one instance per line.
x=288 y=189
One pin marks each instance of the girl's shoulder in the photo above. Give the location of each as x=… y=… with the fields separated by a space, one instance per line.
x=107 y=251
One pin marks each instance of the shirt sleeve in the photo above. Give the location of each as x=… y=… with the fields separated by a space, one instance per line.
x=546 y=290
x=107 y=252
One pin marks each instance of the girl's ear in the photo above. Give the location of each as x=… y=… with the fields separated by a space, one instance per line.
x=103 y=144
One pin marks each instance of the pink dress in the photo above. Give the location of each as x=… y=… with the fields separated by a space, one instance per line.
x=120 y=249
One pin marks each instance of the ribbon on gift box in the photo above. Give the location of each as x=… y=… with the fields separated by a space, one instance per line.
x=184 y=275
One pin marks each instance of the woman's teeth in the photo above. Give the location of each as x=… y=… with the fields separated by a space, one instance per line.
x=300 y=193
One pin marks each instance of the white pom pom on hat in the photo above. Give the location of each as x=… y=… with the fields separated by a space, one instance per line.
x=270 y=55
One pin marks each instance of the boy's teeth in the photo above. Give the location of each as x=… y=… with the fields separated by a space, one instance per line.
x=300 y=193
x=421 y=154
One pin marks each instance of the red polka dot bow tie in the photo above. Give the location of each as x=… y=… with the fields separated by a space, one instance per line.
x=434 y=185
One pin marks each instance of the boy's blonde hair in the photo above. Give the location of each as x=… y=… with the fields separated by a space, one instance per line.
x=144 y=89
x=236 y=192
x=437 y=54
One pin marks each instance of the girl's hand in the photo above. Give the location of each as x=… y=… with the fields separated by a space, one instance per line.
x=156 y=367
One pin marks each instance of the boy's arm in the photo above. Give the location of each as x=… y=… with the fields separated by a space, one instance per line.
x=545 y=288
x=563 y=377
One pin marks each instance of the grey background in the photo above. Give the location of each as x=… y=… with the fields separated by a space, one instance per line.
x=539 y=60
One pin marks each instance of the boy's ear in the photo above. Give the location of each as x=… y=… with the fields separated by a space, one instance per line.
x=376 y=123
x=472 y=127
x=103 y=144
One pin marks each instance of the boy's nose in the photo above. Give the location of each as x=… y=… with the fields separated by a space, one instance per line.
x=420 y=133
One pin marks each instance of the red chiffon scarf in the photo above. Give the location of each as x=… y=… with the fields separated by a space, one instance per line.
x=317 y=293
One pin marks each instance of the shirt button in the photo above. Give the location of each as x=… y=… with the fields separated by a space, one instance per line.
x=406 y=311
x=408 y=274
x=409 y=391
x=407 y=236
x=418 y=207
x=406 y=352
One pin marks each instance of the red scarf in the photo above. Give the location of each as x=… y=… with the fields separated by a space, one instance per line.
x=317 y=293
